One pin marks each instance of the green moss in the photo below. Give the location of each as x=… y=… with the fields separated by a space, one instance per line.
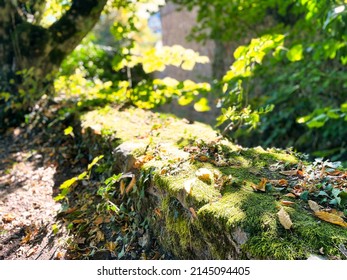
x=219 y=212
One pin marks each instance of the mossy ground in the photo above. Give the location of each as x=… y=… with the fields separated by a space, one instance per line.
x=198 y=221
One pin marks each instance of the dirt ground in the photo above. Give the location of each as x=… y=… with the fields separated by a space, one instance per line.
x=34 y=226
x=28 y=179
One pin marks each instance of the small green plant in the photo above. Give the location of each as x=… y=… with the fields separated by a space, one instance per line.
x=107 y=192
x=66 y=186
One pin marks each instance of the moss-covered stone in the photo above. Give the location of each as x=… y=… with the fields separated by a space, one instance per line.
x=223 y=218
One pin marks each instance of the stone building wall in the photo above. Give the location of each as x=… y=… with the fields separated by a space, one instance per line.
x=176 y=26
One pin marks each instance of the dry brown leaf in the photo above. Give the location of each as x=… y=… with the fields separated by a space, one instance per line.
x=287 y=202
x=100 y=236
x=204 y=175
x=142 y=160
x=31 y=251
x=8 y=218
x=262 y=185
x=78 y=221
x=313 y=205
x=338 y=213
x=202 y=158
x=157 y=212
x=111 y=246
x=192 y=211
x=289 y=172
x=122 y=187
x=283 y=182
x=334 y=173
x=331 y=218
x=284 y=219
x=59 y=255
x=290 y=195
x=70 y=210
x=99 y=220
x=131 y=184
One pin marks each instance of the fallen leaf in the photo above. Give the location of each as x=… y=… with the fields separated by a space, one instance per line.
x=300 y=173
x=287 y=202
x=283 y=182
x=78 y=221
x=157 y=212
x=338 y=213
x=99 y=220
x=70 y=210
x=111 y=246
x=202 y=158
x=331 y=218
x=100 y=236
x=131 y=185
x=289 y=172
x=31 y=252
x=313 y=205
x=122 y=187
x=192 y=211
x=334 y=173
x=290 y=195
x=8 y=218
x=284 y=219
x=204 y=175
x=59 y=255
x=262 y=185
x=142 y=160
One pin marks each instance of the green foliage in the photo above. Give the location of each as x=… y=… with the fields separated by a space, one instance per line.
x=303 y=79
x=66 y=186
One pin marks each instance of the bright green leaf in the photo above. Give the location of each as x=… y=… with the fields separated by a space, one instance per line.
x=202 y=105
x=295 y=53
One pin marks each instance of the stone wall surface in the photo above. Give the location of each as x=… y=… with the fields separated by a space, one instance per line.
x=199 y=189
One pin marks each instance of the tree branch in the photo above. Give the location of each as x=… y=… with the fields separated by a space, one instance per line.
x=73 y=26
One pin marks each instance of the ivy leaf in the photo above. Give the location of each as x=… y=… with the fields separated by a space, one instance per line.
x=202 y=105
x=295 y=53
x=304 y=195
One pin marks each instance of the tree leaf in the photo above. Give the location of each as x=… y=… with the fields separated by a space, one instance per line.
x=331 y=218
x=284 y=219
x=202 y=105
x=313 y=205
x=131 y=184
x=287 y=202
x=295 y=53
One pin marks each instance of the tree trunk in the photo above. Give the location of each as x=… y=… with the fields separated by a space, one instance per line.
x=30 y=55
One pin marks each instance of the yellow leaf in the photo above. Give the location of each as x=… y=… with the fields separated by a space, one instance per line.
x=313 y=205
x=122 y=187
x=283 y=182
x=8 y=218
x=204 y=175
x=100 y=236
x=111 y=246
x=284 y=219
x=287 y=202
x=331 y=218
x=261 y=186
